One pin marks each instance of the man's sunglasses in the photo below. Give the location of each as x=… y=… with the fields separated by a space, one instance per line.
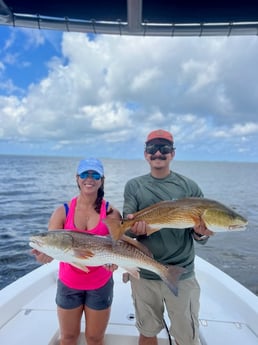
x=96 y=176
x=163 y=149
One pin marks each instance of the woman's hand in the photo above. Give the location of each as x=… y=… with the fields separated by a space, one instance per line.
x=41 y=257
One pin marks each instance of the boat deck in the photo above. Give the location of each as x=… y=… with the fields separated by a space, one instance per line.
x=224 y=317
x=36 y=321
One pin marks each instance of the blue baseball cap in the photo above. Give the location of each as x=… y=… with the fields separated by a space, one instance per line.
x=90 y=164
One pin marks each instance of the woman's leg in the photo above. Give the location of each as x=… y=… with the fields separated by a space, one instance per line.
x=69 y=325
x=96 y=324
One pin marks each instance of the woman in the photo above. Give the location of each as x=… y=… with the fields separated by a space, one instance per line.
x=78 y=292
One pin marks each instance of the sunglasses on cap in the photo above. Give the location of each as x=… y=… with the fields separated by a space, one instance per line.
x=163 y=149
x=96 y=176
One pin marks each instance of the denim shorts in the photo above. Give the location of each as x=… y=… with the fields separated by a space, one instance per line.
x=98 y=299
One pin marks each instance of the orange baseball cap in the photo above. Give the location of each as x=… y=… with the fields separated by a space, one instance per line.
x=160 y=134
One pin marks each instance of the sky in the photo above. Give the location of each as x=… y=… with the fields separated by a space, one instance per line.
x=73 y=94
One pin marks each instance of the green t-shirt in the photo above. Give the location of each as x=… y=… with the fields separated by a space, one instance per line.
x=169 y=246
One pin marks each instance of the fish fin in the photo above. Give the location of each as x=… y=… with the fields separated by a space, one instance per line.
x=83 y=253
x=137 y=245
x=172 y=277
x=115 y=228
x=134 y=271
x=80 y=267
x=180 y=217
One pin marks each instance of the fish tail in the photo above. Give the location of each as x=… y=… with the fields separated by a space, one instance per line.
x=171 y=277
x=115 y=228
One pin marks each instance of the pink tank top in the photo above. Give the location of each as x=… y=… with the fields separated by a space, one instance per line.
x=74 y=277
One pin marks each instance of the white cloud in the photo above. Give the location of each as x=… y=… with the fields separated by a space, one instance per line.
x=107 y=117
x=118 y=88
x=144 y=78
x=245 y=129
x=238 y=130
x=33 y=38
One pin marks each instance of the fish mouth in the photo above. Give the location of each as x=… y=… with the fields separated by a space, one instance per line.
x=35 y=243
x=237 y=227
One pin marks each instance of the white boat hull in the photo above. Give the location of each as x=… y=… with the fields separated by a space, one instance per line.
x=228 y=315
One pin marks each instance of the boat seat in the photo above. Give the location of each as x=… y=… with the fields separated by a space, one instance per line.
x=29 y=327
x=221 y=332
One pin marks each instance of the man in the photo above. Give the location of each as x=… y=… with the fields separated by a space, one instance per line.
x=169 y=246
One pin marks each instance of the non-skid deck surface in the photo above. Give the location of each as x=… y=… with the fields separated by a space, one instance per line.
x=36 y=321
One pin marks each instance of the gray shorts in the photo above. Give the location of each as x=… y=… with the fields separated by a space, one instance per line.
x=151 y=297
x=98 y=299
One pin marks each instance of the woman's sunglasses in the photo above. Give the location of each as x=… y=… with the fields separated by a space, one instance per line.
x=163 y=149
x=96 y=176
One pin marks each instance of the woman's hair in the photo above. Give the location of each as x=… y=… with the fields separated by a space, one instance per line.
x=100 y=196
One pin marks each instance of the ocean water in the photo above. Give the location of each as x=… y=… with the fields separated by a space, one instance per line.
x=32 y=187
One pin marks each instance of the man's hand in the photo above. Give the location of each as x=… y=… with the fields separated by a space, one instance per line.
x=139 y=228
x=201 y=230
